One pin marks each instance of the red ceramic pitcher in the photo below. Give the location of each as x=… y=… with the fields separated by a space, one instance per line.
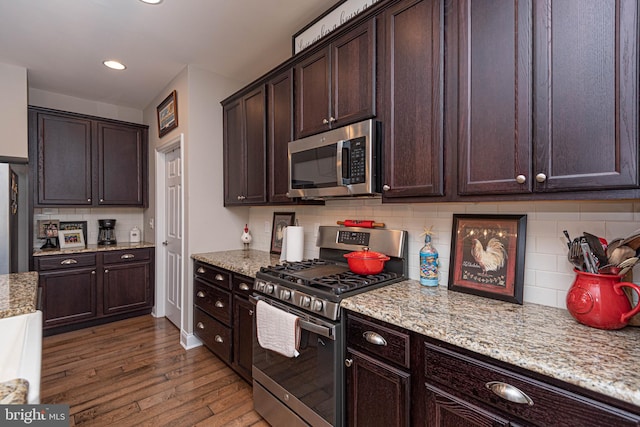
x=597 y=300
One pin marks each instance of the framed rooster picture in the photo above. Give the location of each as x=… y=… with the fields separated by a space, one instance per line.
x=487 y=255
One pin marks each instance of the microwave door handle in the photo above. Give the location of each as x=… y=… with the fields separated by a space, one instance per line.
x=344 y=162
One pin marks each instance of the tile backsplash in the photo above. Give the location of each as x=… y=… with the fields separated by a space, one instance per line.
x=126 y=219
x=548 y=273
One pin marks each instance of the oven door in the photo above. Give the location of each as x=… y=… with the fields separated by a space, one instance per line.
x=309 y=385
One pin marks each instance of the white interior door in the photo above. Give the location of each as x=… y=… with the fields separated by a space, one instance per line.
x=173 y=237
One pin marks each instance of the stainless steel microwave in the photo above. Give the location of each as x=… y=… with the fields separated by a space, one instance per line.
x=341 y=162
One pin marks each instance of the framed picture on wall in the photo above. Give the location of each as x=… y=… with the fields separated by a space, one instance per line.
x=168 y=114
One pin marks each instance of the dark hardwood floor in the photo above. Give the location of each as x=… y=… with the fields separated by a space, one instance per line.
x=135 y=373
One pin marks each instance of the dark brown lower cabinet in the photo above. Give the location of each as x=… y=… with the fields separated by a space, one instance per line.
x=79 y=290
x=223 y=315
x=399 y=378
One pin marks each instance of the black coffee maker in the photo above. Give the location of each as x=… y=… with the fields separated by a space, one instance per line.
x=107 y=233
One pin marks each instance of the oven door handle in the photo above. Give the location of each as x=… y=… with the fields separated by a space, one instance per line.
x=317 y=329
x=325 y=331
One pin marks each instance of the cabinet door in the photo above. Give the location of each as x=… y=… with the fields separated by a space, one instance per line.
x=445 y=410
x=256 y=142
x=68 y=296
x=312 y=94
x=63 y=151
x=122 y=159
x=377 y=394
x=242 y=336
x=411 y=85
x=127 y=287
x=490 y=68
x=280 y=132
x=586 y=94
x=353 y=75
x=234 y=168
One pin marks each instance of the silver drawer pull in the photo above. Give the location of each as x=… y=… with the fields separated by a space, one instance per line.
x=348 y=362
x=200 y=325
x=68 y=261
x=127 y=256
x=219 y=277
x=218 y=338
x=200 y=294
x=244 y=287
x=374 y=338
x=200 y=270
x=509 y=392
x=250 y=312
x=219 y=304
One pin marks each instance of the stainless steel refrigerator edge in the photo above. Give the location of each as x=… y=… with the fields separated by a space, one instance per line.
x=14 y=218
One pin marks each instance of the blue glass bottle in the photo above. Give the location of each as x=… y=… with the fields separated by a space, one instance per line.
x=428 y=263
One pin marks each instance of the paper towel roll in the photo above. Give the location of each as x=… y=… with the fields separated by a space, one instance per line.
x=295 y=243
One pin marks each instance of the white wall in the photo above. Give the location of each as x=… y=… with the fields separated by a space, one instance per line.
x=57 y=101
x=13 y=105
x=548 y=273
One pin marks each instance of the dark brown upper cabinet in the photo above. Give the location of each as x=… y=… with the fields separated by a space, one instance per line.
x=245 y=149
x=543 y=95
x=280 y=132
x=410 y=59
x=335 y=86
x=87 y=161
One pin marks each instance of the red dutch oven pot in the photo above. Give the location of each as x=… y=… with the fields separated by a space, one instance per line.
x=366 y=262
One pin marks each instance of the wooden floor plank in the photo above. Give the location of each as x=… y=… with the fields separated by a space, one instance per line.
x=134 y=372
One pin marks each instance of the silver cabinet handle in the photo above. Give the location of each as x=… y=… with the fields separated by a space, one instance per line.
x=244 y=287
x=200 y=294
x=325 y=121
x=219 y=304
x=509 y=392
x=93 y=272
x=200 y=270
x=521 y=179
x=250 y=312
x=89 y=200
x=127 y=256
x=68 y=261
x=219 y=339
x=106 y=270
x=541 y=177
x=219 y=277
x=332 y=119
x=374 y=338
x=386 y=188
x=199 y=325
x=101 y=200
x=348 y=362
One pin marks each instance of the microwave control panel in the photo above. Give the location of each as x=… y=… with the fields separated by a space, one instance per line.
x=357 y=160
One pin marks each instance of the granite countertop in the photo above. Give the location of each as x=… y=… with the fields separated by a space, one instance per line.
x=542 y=339
x=18 y=293
x=93 y=248
x=239 y=261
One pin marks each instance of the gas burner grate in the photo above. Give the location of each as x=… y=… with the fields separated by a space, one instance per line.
x=348 y=281
x=290 y=266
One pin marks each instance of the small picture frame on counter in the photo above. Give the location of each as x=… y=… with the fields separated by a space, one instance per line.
x=71 y=239
x=75 y=225
x=281 y=220
x=487 y=256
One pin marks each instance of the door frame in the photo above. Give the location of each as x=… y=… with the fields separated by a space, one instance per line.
x=161 y=152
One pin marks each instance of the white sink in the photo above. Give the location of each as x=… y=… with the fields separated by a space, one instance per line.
x=21 y=351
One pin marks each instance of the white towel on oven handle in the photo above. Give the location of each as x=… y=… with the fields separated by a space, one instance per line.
x=277 y=330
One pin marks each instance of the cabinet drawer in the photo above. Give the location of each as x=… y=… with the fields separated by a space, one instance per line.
x=213 y=300
x=212 y=274
x=379 y=340
x=113 y=257
x=216 y=336
x=242 y=285
x=473 y=380
x=61 y=262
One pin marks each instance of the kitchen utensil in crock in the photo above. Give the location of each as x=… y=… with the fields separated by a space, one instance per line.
x=620 y=253
x=596 y=248
x=627 y=265
x=575 y=254
x=366 y=262
x=598 y=300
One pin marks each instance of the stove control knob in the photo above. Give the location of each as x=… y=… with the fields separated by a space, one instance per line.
x=306 y=302
x=285 y=294
x=260 y=285
x=269 y=288
x=317 y=305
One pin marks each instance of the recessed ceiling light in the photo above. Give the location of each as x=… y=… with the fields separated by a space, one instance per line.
x=114 y=64
x=151 y=1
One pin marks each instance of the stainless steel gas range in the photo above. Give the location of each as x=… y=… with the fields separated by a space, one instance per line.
x=309 y=389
